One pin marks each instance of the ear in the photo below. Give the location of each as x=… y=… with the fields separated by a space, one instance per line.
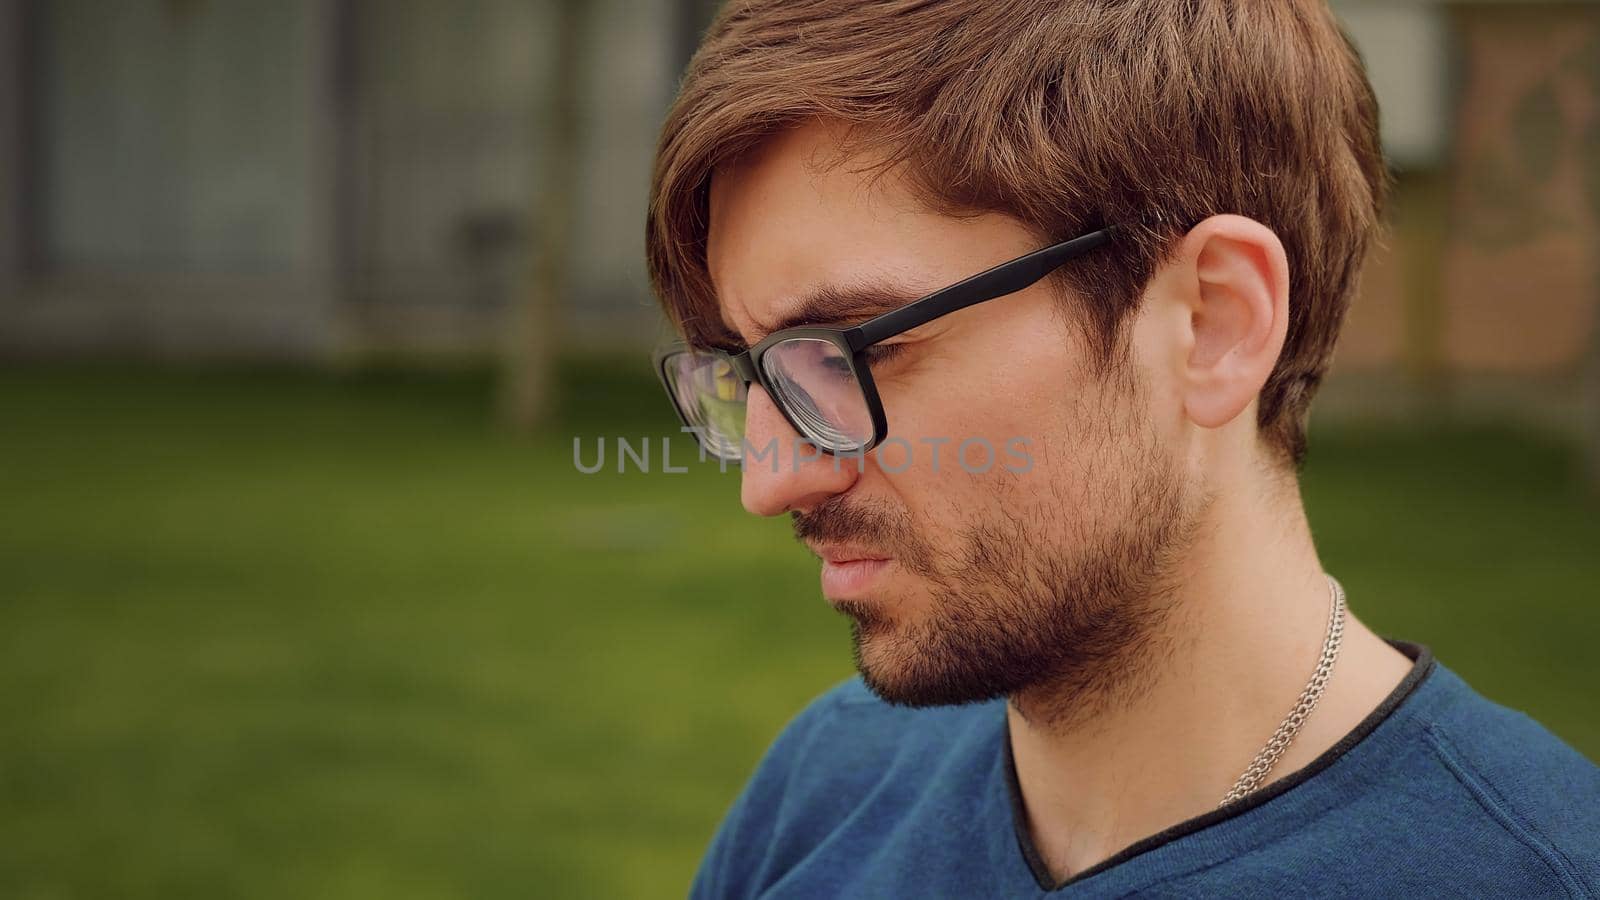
x=1233 y=275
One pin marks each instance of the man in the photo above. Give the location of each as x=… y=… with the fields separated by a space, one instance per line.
x=1097 y=648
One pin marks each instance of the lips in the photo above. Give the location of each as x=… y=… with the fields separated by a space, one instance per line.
x=848 y=572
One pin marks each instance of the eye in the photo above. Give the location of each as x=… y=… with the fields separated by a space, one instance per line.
x=838 y=365
x=882 y=353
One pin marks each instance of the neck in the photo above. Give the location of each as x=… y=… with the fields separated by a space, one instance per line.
x=1250 y=615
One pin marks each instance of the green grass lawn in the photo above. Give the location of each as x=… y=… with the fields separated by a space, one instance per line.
x=278 y=635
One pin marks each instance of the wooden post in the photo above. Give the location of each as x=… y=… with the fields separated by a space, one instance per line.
x=12 y=64
x=1590 y=142
x=527 y=388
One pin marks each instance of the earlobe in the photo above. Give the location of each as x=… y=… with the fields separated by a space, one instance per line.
x=1239 y=317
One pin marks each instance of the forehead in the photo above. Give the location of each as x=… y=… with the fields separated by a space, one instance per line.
x=794 y=217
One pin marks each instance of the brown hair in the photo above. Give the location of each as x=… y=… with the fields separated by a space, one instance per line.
x=1067 y=115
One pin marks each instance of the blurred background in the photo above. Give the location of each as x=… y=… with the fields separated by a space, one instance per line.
x=303 y=304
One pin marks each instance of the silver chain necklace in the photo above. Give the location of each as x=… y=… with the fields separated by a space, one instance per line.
x=1273 y=751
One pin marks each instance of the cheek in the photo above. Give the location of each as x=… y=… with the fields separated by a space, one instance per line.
x=971 y=451
x=946 y=507
x=985 y=395
x=1032 y=420
x=963 y=430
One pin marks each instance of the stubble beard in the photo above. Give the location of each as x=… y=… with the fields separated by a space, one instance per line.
x=1063 y=613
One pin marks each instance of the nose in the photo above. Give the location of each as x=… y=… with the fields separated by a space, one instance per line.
x=781 y=470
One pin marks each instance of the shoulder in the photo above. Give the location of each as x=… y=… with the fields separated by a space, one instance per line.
x=1537 y=796
x=1448 y=794
x=845 y=746
x=850 y=735
x=848 y=741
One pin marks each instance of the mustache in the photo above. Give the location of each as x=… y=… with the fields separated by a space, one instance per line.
x=833 y=521
x=837 y=521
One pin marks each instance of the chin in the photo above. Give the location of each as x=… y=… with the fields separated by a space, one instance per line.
x=902 y=672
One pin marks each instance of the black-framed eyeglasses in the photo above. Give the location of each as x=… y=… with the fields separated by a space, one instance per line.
x=818 y=376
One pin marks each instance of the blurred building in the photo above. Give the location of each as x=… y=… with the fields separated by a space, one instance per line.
x=316 y=179
x=1486 y=295
x=307 y=178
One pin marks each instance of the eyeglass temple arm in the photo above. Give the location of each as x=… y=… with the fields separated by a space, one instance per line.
x=1006 y=278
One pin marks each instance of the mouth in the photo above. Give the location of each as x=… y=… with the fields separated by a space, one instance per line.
x=848 y=572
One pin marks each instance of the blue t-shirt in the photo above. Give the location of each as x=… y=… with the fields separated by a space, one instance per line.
x=1439 y=792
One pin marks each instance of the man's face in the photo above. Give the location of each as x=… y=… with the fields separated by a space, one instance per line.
x=964 y=581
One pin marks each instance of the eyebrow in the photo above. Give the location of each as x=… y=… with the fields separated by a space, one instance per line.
x=838 y=305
